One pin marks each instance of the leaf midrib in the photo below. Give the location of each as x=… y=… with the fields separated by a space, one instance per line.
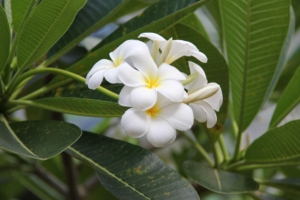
x=108 y=172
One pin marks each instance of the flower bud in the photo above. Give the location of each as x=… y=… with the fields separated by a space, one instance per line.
x=203 y=93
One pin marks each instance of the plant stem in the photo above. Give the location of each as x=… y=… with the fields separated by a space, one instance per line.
x=60 y=72
x=242 y=165
x=223 y=147
x=71 y=176
x=197 y=146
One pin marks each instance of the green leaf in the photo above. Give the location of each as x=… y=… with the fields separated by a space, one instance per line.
x=156 y=18
x=94 y=15
x=20 y=12
x=288 y=100
x=289 y=185
x=36 y=186
x=7 y=7
x=45 y=25
x=81 y=106
x=37 y=139
x=216 y=68
x=130 y=172
x=277 y=145
x=218 y=180
x=193 y=22
x=254 y=33
x=4 y=39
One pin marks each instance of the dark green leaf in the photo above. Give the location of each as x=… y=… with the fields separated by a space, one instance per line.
x=216 y=68
x=288 y=100
x=218 y=180
x=44 y=26
x=277 y=145
x=193 y=22
x=81 y=106
x=254 y=33
x=94 y=15
x=20 y=12
x=37 y=139
x=4 y=39
x=130 y=172
x=156 y=18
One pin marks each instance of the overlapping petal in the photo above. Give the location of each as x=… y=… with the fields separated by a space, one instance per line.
x=211 y=117
x=131 y=77
x=96 y=79
x=167 y=71
x=143 y=98
x=124 y=96
x=171 y=89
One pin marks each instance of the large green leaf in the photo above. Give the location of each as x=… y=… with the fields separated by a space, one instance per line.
x=288 y=100
x=194 y=22
x=277 y=145
x=4 y=39
x=20 y=12
x=254 y=32
x=81 y=106
x=37 y=139
x=94 y=15
x=130 y=172
x=218 y=180
x=216 y=68
x=44 y=26
x=156 y=18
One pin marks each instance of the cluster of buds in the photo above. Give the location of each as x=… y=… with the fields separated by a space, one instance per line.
x=161 y=98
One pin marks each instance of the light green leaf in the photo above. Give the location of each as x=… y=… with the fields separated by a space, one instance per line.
x=216 y=68
x=20 y=12
x=36 y=186
x=288 y=100
x=277 y=145
x=37 y=139
x=81 y=106
x=156 y=18
x=7 y=7
x=94 y=15
x=130 y=172
x=4 y=39
x=288 y=185
x=254 y=32
x=44 y=26
x=218 y=180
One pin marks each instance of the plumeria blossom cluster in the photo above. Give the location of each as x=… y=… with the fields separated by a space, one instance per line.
x=161 y=98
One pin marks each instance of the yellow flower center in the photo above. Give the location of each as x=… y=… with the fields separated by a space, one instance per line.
x=119 y=61
x=154 y=111
x=152 y=82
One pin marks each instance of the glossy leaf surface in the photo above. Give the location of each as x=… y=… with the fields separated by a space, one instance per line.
x=130 y=172
x=218 y=180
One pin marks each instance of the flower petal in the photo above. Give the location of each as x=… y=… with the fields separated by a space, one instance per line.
x=143 y=98
x=152 y=36
x=210 y=114
x=129 y=76
x=123 y=51
x=124 y=96
x=111 y=75
x=199 y=113
x=216 y=100
x=160 y=133
x=100 y=65
x=135 y=122
x=179 y=115
x=171 y=89
x=200 y=80
x=166 y=71
x=96 y=79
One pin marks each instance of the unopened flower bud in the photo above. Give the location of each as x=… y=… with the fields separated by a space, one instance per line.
x=203 y=93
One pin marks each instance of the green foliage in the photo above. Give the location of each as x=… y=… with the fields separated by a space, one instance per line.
x=129 y=171
x=20 y=12
x=4 y=39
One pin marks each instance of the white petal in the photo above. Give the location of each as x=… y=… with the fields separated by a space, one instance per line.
x=100 y=65
x=129 y=76
x=96 y=79
x=199 y=113
x=152 y=36
x=210 y=114
x=111 y=75
x=171 y=89
x=179 y=115
x=205 y=92
x=124 y=96
x=197 y=54
x=143 y=98
x=143 y=61
x=166 y=71
x=200 y=80
x=216 y=100
x=135 y=122
x=160 y=133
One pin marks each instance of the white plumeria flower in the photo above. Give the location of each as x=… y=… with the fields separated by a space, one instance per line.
x=172 y=49
x=144 y=82
x=159 y=122
x=109 y=69
x=203 y=98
